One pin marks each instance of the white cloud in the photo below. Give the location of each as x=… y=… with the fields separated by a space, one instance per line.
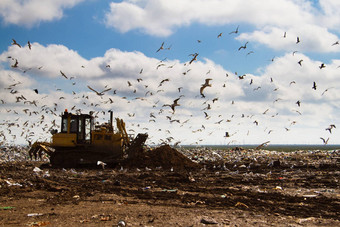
x=270 y=19
x=31 y=12
x=160 y=17
x=330 y=10
x=48 y=61
x=312 y=38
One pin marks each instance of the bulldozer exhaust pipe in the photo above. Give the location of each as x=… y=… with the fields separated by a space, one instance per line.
x=111 y=118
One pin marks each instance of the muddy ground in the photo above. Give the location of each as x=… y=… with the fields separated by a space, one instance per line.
x=300 y=190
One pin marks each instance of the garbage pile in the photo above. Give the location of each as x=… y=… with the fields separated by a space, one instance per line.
x=163 y=157
x=252 y=157
x=13 y=153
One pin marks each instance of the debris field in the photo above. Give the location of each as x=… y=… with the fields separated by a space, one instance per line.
x=175 y=187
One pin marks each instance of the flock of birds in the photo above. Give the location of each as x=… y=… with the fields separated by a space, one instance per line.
x=28 y=128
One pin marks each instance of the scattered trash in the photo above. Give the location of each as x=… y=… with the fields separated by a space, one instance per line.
x=34 y=214
x=76 y=197
x=46 y=174
x=309 y=196
x=278 y=188
x=121 y=224
x=6 y=208
x=241 y=204
x=106 y=218
x=226 y=186
x=169 y=190
x=302 y=220
x=13 y=184
x=208 y=221
x=191 y=178
x=37 y=170
x=40 y=223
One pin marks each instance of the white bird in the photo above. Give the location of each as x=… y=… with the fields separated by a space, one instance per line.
x=103 y=164
x=99 y=93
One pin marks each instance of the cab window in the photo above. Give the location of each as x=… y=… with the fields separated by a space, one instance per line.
x=73 y=126
x=64 y=125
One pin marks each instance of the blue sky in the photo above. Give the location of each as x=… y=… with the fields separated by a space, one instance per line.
x=82 y=37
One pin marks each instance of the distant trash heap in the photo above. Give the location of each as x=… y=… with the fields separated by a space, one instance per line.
x=233 y=157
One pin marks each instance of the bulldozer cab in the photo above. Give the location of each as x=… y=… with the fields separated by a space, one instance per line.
x=81 y=125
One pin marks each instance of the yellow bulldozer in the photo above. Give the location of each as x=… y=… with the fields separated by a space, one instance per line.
x=83 y=143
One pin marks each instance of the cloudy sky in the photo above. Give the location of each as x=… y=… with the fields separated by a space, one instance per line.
x=273 y=68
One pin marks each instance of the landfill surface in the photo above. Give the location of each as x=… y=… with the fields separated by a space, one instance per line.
x=175 y=187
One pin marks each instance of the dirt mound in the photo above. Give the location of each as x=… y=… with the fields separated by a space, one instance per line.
x=163 y=156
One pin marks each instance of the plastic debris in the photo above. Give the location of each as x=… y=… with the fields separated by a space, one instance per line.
x=309 y=196
x=106 y=218
x=13 y=184
x=37 y=170
x=6 y=208
x=241 y=204
x=302 y=220
x=40 y=223
x=76 y=197
x=169 y=190
x=34 y=214
x=121 y=224
x=207 y=221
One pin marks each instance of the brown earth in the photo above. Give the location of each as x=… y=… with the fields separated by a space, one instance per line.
x=175 y=192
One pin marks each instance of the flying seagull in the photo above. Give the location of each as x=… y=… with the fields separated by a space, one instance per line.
x=298 y=102
x=15 y=43
x=330 y=128
x=325 y=141
x=161 y=48
x=326 y=90
x=314 y=85
x=243 y=47
x=63 y=74
x=206 y=84
x=173 y=105
x=236 y=31
x=336 y=43
x=15 y=65
x=262 y=145
x=99 y=93
x=194 y=58
x=297 y=40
